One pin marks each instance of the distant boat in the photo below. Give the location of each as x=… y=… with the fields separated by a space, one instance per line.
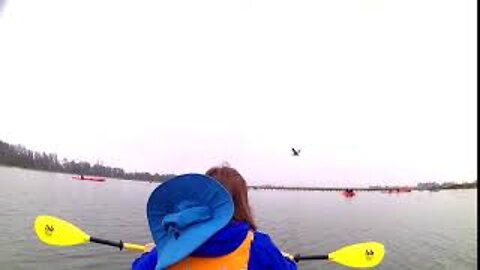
x=348 y=193
x=89 y=178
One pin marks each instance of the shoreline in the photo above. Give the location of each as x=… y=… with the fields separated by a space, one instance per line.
x=270 y=187
x=392 y=189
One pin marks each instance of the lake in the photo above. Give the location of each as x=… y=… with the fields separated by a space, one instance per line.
x=420 y=230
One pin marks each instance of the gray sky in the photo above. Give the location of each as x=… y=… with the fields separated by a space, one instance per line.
x=372 y=91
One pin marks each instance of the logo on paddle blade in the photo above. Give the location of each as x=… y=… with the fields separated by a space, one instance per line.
x=369 y=254
x=49 y=230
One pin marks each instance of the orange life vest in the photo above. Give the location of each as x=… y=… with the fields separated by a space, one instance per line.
x=235 y=260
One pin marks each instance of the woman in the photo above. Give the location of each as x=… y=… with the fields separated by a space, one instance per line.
x=236 y=244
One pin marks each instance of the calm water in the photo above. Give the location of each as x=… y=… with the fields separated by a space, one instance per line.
x=420 y=230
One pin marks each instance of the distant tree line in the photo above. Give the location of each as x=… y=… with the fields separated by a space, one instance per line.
x=19 y=156
x=447 y=185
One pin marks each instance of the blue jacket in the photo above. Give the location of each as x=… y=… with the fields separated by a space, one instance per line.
x=264 y=255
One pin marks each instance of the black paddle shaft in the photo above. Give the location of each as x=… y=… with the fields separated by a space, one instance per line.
x=299 y=257
x=107 y=242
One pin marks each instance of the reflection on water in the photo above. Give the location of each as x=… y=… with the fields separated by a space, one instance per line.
x=420 y=230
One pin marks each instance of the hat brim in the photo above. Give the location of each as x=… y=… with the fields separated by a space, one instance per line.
x=200 y=189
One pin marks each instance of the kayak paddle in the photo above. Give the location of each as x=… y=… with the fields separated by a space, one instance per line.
x=57 y=232
x=360 y=255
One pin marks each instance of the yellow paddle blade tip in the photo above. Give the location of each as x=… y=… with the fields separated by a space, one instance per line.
x=57 y=232
x=361 y=255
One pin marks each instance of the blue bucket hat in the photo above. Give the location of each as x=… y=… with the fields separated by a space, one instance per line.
x=184 y=212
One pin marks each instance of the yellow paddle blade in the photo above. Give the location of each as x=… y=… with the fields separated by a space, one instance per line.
x=57 y=232
x=361 y=255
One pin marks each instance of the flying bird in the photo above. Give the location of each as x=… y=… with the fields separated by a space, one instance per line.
x=296 y=152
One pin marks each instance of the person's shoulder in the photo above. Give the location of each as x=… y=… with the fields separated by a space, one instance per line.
x=261 y=236
x=264 y=254
x=147 y=261
x=263 y=241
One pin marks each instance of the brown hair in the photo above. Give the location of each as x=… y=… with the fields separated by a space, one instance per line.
x=237 y=186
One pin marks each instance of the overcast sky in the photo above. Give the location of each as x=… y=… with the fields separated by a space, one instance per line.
x=372 y=91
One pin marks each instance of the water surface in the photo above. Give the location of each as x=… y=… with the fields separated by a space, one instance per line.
x=420 y=230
